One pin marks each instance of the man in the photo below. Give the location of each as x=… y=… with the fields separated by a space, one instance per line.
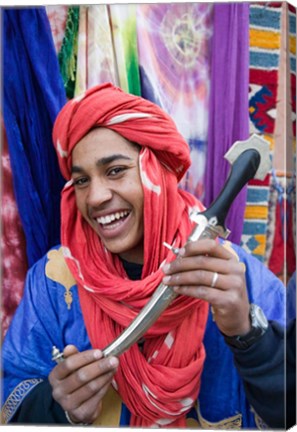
x=122 y=158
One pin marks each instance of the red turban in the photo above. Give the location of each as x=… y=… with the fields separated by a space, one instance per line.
x=160 y=383
x=135 y=118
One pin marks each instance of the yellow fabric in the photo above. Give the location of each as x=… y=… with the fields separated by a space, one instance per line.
x=264 y=39
x=111 y=410
x=57 y=270
x=256 y=212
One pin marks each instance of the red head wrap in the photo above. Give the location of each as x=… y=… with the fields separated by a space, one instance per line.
x=161 y=383
x=135 y=118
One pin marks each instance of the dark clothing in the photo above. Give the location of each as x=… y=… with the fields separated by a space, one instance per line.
x=39 y=407
x=265 y=376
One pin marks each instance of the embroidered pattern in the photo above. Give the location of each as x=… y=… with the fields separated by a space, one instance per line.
x=56 y=269
x=234 y=422
x=259 y=422
x=16 y=397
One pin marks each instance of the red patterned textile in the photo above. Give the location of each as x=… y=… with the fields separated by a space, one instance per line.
x=14 y=261
x=166 y=374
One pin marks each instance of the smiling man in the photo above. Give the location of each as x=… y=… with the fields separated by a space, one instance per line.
x=123 y=158
x=108 y=191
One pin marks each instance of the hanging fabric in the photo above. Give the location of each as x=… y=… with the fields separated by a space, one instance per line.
x=123 y=23
x=95 y=56
x=228 y=109
x=33 y=94
x=57 y=16
x=265 y=43
x=68 y=53
x=14 y=264
x=173 y=46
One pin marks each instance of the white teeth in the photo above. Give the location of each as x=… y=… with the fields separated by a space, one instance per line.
x=103 y=220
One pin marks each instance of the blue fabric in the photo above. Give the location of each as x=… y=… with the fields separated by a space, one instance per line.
x=32 y=97
x=43 y=320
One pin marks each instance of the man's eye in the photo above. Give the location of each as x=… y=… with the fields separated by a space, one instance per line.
x=115 y=171
x=80 y=181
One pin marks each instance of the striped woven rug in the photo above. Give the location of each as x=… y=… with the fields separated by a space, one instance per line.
x=265 y=27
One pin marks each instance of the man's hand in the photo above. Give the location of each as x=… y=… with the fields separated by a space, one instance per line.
x=192 y=274
x=80 y=382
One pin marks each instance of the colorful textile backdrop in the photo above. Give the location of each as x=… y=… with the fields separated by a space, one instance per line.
x=95 y=56
x=14 y=260
x=269 y=216
x=265 y=28
x=161 y=51
x=29 y=110
x=174 y=62
x=228 y=109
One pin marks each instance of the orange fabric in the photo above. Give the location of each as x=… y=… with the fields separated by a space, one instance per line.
x=161 y=383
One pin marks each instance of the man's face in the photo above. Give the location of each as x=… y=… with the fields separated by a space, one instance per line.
x=108 y=189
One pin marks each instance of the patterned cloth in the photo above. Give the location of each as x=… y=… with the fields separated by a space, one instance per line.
x=265 y=31
x=14 y=262
x=68 y=52
x=174 y=52
x=95 y=57
x=123 y=22
x=57 y=16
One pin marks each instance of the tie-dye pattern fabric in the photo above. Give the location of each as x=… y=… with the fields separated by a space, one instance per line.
x=95 y=56
x=123 y=22
x=173 y=45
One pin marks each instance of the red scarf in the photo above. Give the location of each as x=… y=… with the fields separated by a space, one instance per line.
x=161 y=383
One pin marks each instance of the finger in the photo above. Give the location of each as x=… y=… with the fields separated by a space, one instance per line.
x=88 y=390
x=208 y=247
x=199 y=262
x=76 y=360
x=219 y=299
x=70 y=350
x=88 y=374
x=88 y=411
x=211 y=279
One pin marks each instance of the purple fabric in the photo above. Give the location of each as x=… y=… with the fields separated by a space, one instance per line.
x=229 y=115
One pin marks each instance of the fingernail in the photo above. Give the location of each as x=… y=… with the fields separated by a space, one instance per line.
x=166 y=268
x=166 y=279
x=98 y=354
x=182 y=251
x=113 y=362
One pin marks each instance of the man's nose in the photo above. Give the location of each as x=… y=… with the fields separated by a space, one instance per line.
x=98 y=193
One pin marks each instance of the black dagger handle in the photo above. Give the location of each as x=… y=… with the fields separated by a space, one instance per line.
x=243 y=169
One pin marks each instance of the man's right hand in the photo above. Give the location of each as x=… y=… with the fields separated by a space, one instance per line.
x=80 y=382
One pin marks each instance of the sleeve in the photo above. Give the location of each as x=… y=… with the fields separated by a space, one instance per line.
x=43 y=319
x=223 y=397
x=262 y=368
x=264 y=288
x=40 y=408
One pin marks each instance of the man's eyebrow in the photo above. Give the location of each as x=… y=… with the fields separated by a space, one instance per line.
x=101 y=162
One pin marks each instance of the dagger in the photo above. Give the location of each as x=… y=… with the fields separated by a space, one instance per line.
x=249 y=159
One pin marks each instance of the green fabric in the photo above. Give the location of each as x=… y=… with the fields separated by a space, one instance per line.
x=124 y=31
x=68 y=54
